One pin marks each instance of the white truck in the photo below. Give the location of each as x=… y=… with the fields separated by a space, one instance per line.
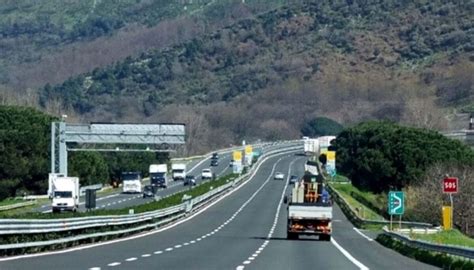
x=309 y=211
x=311 y=146
x=158 y=175
x=64 y=194
x=132 y=182
x=178 y=171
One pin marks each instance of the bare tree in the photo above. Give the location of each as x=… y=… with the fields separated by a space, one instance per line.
x=427 y=196
x=423 y=113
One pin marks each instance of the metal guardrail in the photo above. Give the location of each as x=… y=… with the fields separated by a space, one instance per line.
x=88 y=236
x=34 y=226
x=448 y=249
x=82 y=190
x=345 y=205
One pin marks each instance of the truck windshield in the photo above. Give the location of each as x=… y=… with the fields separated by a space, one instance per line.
x=158 y=175
x=178 y=171
x=63 y=194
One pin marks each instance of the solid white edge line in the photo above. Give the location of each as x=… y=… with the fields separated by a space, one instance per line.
x=363 y=235
x=151 y=232
x=349 y=256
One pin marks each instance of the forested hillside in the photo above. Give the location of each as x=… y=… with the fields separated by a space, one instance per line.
x=267 y=76
x=49 y=41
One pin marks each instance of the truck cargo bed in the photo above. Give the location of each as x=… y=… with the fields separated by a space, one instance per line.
x=309 y=211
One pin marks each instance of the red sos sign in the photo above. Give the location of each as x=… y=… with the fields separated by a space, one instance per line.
x=450 y=185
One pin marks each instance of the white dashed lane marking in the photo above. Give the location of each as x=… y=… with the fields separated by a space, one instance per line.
x=212 y=232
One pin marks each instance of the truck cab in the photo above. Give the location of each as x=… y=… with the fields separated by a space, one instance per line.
x=65 y=194
x=178 y=171
x=158 y=175
x=132 y=182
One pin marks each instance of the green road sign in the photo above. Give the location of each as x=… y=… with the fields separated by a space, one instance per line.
x=396 y=203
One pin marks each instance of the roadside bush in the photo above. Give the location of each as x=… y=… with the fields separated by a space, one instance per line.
x=438 y=259
x=383 y=156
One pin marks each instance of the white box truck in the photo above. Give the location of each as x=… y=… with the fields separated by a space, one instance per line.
x=158 y=175
x=64 y=194
x=311 y=146
x=178 y=171
x=132 y=182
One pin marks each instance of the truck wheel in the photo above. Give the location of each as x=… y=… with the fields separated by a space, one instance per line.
x=55 y=210
x=291 y=236
x=325 y=237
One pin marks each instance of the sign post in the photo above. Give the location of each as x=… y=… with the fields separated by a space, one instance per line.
x=396 y=205
x=450 y=186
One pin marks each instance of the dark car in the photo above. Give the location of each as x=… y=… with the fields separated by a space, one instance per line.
x=293 y=179
x=148 y=191
x=214 y=162
x=215 y=156
x=190 y=180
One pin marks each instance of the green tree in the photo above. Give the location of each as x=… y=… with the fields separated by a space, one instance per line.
x=24 y=149
x=90 y=167
x=321 y=126
x=383 y=156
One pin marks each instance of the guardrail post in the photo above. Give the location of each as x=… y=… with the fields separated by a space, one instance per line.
x=188 y=203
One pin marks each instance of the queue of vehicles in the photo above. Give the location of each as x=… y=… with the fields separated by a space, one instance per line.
x=64 y=191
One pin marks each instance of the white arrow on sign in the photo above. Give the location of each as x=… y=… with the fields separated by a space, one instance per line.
x=394 y=210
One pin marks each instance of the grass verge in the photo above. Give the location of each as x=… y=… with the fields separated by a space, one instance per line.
x=451 y=237
x=437 y=259
x=10 y=201
x=362 y=211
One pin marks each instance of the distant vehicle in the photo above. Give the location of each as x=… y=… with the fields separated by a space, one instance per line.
x=206 y=174
x=214 y=162
x=231 y=163
x=148 y=191
x=293 y=179
x=215 y=156
x=65 y=194
x=179 y=171
x=132 y=182
x=158 y=175
x=279 y=176
x=190 y=180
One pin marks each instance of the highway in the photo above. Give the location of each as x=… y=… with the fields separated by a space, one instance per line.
x=117 y=200
x=244 y=229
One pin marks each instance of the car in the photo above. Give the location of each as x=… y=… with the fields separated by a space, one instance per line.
x=206 y=174
x=148 y=191
x=190 y=180
x=214 y=162
x=293 y=179
x=279 y=176
x=231 y=164
x=215 y=156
